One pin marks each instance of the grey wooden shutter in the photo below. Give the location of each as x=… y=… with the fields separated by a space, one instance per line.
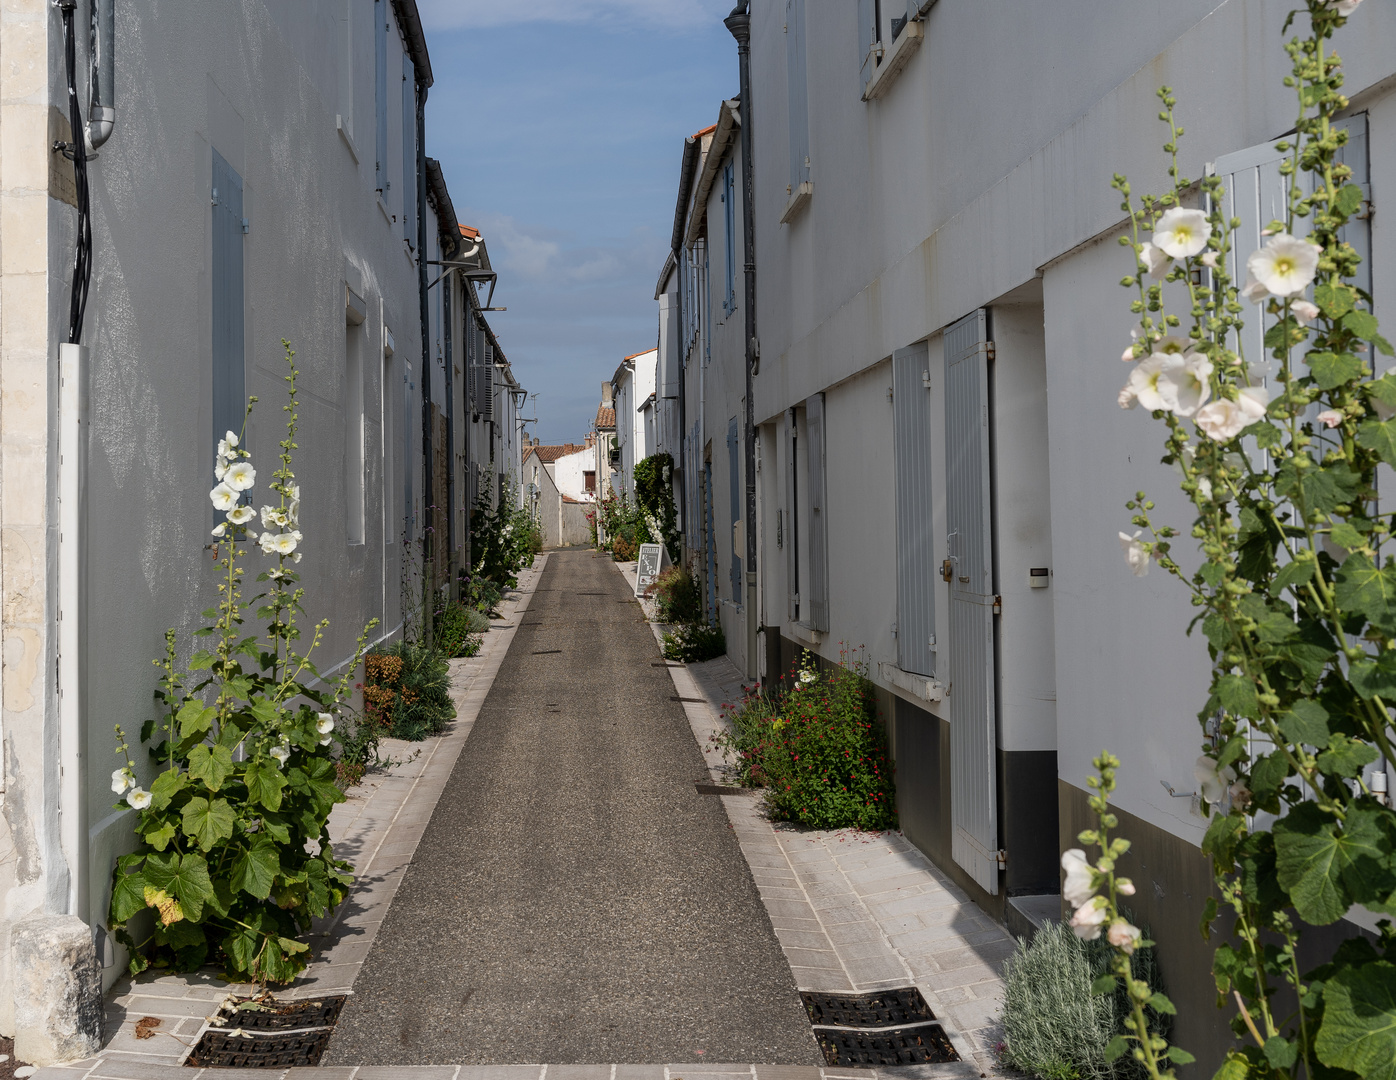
x=229 y=365
x=409 y=151
x=408 y=463
x=818 y=570
x=968 y=507
x=380 y=94
x=867 y=36
x=798 y=91
x=792 y=515
x=486 y=383
x=916 y=569
x=734 y=501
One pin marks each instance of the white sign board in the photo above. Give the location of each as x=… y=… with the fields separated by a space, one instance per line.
x=654 y=560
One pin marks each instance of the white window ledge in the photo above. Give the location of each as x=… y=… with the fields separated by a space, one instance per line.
x=908 y=41
x=799 y=199
x=347 y=138
x=804 y=634
x=929 y=690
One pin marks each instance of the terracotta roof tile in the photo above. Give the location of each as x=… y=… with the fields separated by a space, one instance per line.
x=605 y=417
x=469 y=233
x=640 y=353
x=552 y=453
x=706 y=131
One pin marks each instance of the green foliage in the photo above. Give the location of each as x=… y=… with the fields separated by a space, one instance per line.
x=1054 y=1026
x=819 y=750
x=458 y=629
x=232 y=846
x=420 y=688
x=694 y=642
x=503 y=536
x=679 y=596
x=622 y=520
x=654 y=495
x=1295 y=598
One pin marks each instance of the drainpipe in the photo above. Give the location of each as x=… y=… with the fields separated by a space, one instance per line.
x=101 y=110
x=428 y=567
x=447 y=316
x=739 y=23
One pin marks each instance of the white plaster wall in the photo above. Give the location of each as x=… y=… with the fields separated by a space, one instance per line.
x=568 y=473
x=644 y=383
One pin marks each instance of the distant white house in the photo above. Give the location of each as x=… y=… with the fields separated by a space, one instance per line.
x=560 y=486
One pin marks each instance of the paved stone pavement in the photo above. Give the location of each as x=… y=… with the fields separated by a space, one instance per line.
x=574 y=900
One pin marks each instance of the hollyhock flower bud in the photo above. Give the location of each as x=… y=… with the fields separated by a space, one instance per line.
x=1088 y=919
x=1136 y=555
x=1123 y=936
x=1080 y=878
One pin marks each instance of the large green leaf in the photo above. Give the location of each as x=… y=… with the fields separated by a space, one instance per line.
x=183 y=876
x=167 y=785
x=1359 y=1021
x=1324 y=869
x=211 y=764
x=1345 y=756
x=208 y=822
x=1318 y=487
x=256 y=868
x=1379 y=436
x=1237 y=695
x=1333 y=369
x=1371 y=678
x=1364 y=587
x=195 y=718
x=128 y=896
x=159 y=835
x=265 y=782
x=1306 y=723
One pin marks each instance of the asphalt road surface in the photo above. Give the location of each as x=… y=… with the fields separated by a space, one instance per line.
x=574 y=900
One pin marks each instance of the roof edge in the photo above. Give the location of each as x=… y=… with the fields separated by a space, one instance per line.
x=729 y=118
x=409 y=20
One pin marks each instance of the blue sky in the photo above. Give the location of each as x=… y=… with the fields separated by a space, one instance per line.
x=559 y=125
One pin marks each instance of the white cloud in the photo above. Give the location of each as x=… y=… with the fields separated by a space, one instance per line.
x=539 y=254
x=650 y=14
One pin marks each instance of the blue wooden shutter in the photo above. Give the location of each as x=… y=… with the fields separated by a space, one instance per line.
x=817 y=573
x=729 y=199
x=409 y=152
x=968 y=510
x=798 y=91
x=867 y=37
x=792 y=514
x=916 y=569
x=408 y=463
x=380 y=94
x=229 y=366
x=485 y=383
x=735 y=503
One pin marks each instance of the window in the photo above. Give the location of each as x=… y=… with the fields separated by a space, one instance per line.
x=589 y=481
x=869 y=38
x=735 y=505
x=353 y=419
x=389 y=471
x=729 y=226
x=229 y=363
x=380 y=94
x=798 y=93
x=409 y=152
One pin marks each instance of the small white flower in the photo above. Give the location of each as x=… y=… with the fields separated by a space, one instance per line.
x=1124 y=886
x=223 y=497
x=1285 y=265
x=324 y=723
x=224 y=450
x=240 y=475
x=231 y=439
x=1183 y=385
x=1182 y=233
x=1080 y=878
x=1128 y=355
x=121 y=779
x=282 y=543
x=1087 y=921
x=1123 y=936
x=1135 y=554
x=1303 y=310
x=1253 y=290
x=1204 y=489
x=268 y=542
x=239 y=515
x=1222 y=420
x=220 y=469
x=1212 y=782
x=296 y=557
x=219 y=529
x=1171 y=345
x=1155 y=259
x=281 y=753
x=1209 y=259
x=1330 y=418
x=325 y=740
x=139 y=798
x=1143 y=383
x=1344 y=7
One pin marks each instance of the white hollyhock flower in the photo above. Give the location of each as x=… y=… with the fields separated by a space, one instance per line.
x=1182 y=233
x=240 y=515
x=121 y=779
x=325 y=740
x=296 y=557
x=1080 y=878
x=224 y=450
x=1089 y=917
x=293 y=511
x=1209 y=259
x=220 y=469
x=1330 y=418
x=1123 y=936
x=1253 y=290
x=1304 y=311
x=219 y=529
x=1135 y=554
x=223 y=497
x=1155 y=259
x=268 y=542
x=1222 y=420
x=1171 y=345
x=281 y=753
x=1285 y=265
x=1344 y=7
x=1212 y=781
x=284 y=543
x=230 y=438
x=240 y=475
x=324 y=723
x=139 y=798
x=1204 y=488
x=1183 y=383
x=1143 y=382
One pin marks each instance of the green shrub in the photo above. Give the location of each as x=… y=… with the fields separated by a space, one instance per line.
x=679 y=596
x=455 y=630
x=412 y=700
x=694 y=642
x=654 y=495
x=483 y=595
x=1054 y=1027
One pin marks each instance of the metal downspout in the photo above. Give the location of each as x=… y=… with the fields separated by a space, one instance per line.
x=428 y=566
x=447 y=318
x=739 y=23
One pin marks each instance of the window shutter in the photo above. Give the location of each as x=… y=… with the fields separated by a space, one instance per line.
x=792 y=517
x=486 y=384
x=916 y=569
x=729 y=199
x=409 y=151
x=380 y=94
x=734 y=482
x=818 y=520
x=229 y=364
x=867 y=38
x=798 y=91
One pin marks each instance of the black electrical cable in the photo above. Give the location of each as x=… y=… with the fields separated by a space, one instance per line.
x=76 y=152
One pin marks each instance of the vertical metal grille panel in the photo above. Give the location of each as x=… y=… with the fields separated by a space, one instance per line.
x=734 y=502
x=974 y=819
x=229 y=368
x=792 y=516
x=818 y=571
x=798 y=91
x=916 y=569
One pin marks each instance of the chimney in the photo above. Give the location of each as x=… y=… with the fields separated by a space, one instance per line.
x=606 y=394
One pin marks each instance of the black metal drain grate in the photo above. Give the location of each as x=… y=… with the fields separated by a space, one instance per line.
x=926 y=1044
x=221 y=1050
x=886 y=1008
x=285 y=1016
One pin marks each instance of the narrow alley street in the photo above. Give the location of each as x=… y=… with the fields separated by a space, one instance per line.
x=574 y=899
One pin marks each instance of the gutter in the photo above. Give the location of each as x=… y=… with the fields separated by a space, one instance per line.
x=409 y=20
x=729 y=118
x=449 y=232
